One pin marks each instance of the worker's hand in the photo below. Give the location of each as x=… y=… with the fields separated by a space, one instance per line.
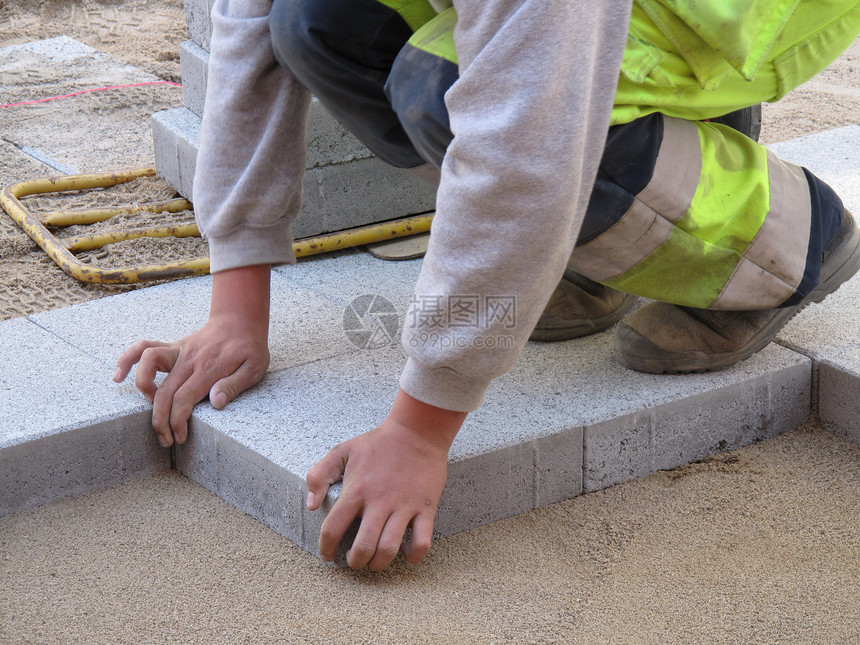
x=393 y=478
x=225 y=357
x=221 y=360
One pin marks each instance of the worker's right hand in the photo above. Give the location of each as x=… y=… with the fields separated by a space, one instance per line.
x=225 y=357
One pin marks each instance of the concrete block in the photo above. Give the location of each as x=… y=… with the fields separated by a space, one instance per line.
x=194 y=62
x=77 y=461
x=197 y=458
x=261 y=488
x=176 y=139
x=731 y=417
x=834 y=156
x=58 y=439
x=304 y=326
x=329 y=142
x=487 y=487
x=336 y=196
x=165 y=140
x=198 y=22
x=839 y=403
x=618 y=450
x=680 y=419
x=359 y=192
x=558 y=467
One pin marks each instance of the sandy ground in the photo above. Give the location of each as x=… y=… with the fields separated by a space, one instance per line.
x=760 y=545
x=136 y=32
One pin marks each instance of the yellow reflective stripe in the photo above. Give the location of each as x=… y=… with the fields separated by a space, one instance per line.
x=729 y=207
x=774 y=263
x=437 y=36
x=732 y=199
x=416 y=13
x=685 y=270
x=742 y=244
x=649 y=221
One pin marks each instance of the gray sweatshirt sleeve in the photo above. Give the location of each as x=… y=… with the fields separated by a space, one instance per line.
x=530 y=113
x=248 y=181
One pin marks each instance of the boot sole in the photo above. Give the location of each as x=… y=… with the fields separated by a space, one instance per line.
x=652 y=359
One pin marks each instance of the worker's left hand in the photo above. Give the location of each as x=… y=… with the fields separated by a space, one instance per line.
x=393 y=477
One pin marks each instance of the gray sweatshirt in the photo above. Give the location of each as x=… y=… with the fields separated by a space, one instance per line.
x=529 y=114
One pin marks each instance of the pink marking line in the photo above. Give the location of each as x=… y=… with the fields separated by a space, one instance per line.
x=97 y=89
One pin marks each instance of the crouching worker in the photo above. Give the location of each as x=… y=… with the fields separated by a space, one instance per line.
x=574 y=167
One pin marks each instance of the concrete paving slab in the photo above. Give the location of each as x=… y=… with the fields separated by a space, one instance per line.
x=65 y=429
x=561 y=415
x=304 y=326
x=839 y=394
x=344 y=277
x=829 y=330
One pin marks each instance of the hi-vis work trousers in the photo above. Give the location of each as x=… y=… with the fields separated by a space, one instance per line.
x=683 y=210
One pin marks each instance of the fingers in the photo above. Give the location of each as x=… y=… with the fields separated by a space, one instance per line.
x=228 y=388
x=378 y=552
x=174 y=401
x=131 y=356
x=333 y=529
x=325 y=472
x=422 y=536
x=379 y=538
x=154 y=359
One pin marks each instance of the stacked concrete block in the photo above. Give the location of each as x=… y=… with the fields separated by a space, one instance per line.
x=344 y=185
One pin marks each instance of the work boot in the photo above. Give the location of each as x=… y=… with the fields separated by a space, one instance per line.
x=663 y=338
x=579 y=307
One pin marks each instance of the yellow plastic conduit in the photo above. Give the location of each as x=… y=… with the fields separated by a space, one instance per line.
x=60 y=250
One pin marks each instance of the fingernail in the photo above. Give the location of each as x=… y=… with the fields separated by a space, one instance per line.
x=311 y=499
x=220 y=400
x=163 y=442
x=116 y=375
